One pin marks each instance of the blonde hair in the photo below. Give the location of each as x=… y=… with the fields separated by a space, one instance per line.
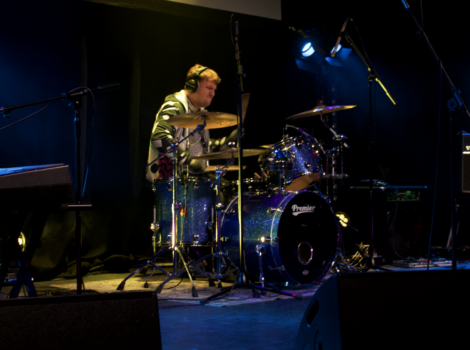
x=208 y=74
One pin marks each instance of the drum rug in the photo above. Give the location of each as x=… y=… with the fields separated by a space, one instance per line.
x=180 y=291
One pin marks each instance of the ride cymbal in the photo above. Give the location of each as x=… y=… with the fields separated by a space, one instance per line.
x=320 y=110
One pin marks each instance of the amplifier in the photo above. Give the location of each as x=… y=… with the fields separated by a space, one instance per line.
x=398 y=219
x=464 y=162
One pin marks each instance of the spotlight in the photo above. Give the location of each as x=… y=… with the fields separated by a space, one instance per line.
x=337 y=50
x=307 y=50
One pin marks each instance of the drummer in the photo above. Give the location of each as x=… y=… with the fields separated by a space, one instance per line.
x=199 y=90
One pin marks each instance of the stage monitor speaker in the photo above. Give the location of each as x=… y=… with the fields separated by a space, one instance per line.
x=396 y=310
x=127 y=320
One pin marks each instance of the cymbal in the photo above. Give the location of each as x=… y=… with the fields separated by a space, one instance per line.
x=230 y=168
x=214 y=120
x=267 y=146
x=320 y=110
x=227 y=154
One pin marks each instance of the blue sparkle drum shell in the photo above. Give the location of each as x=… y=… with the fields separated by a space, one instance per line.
x=196 y=199
x=299 y=160
x=300 y=235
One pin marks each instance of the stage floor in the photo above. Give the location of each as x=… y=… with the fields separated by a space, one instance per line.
x=238 y=321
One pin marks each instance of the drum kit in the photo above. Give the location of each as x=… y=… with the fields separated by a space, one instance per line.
x=290 y=234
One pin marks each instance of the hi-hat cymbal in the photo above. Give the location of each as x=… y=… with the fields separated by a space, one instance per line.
x=319 y=110
x=230 y=168
x=229 y=153
x=214 y=120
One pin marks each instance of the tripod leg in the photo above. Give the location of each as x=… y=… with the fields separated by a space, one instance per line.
x=146 y=284
x=159 y=289
x=194 y=291
x=149 y=262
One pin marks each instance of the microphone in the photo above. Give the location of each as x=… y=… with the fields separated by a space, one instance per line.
x=340 y=36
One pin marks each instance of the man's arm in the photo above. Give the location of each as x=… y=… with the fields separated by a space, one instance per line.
x=163 y=134
x=218 y=145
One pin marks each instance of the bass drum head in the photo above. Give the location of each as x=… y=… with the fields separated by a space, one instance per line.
x=307 y=238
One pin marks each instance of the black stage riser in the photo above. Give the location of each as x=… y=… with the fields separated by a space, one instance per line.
x=400 y=310
x=101 y=321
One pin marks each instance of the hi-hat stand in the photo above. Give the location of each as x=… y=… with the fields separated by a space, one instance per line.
x=174 y=248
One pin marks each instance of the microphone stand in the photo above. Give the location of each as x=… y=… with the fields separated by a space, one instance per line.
x=242 y=280
x=456 y=102
x=373 y=261
x=75 y=97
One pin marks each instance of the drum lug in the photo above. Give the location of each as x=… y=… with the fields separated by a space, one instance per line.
x=169 y=187
x=195 y=239
x=273 y=210
x=307 y=165
x=219 y=208
x=224 y=239
x=155 y=227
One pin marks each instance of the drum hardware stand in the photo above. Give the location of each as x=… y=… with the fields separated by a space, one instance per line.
x=218 y=254
x=174 y=248
x=334 y=154
x=373 y=261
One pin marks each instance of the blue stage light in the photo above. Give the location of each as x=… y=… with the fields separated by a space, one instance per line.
x=307 y=50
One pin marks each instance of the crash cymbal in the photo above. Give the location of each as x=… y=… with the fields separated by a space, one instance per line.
x=214 y=120
x=227 y=154
x=319 y=110
x=230 y=168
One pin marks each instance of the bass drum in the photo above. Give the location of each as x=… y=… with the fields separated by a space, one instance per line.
x=299 y=233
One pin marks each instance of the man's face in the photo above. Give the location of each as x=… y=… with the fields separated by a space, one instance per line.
x=204 y=95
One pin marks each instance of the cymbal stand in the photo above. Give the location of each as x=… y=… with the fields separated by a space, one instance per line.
x=174 y=248
x=334 y=154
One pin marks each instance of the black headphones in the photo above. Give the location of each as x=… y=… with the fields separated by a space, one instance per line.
x=192 y=84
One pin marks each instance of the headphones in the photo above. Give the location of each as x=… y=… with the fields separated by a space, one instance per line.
x=192 y=84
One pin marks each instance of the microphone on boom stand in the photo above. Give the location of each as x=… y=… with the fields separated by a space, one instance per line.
x=340 y=36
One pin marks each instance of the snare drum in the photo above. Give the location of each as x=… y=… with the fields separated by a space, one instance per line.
x=195 y=198
x=298 y=158
x=298 y=232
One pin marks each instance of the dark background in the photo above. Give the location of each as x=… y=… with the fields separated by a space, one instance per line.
x=49 y=48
